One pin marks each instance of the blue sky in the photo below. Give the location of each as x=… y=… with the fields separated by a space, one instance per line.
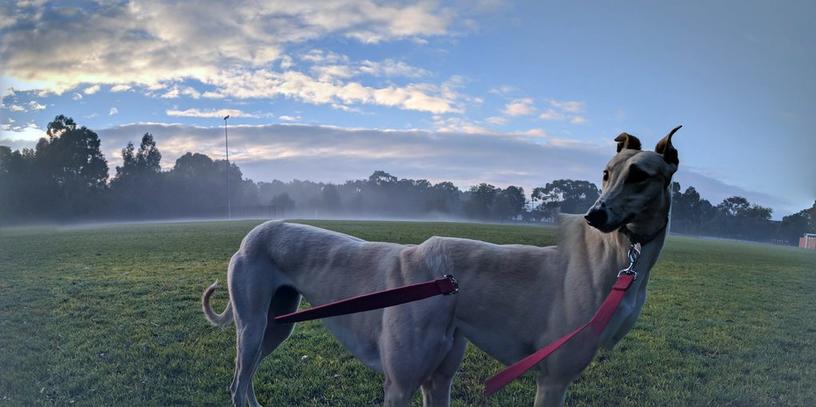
x=501 y=92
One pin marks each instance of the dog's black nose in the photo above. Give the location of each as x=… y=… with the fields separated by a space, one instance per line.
x=596 y=217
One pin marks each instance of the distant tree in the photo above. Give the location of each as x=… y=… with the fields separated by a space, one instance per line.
x=794 y=226
x=509 y=203
x=330 y=198
x=734 y=206
x=812 y=218
x=565 y=195
x=137 y=187
x=381 y=178
x=71 y=166
x=282 y=204
x=689 y=212
x=481 y=200
x=444 y=198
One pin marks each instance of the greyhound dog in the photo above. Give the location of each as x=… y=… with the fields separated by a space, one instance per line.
x=513 y=299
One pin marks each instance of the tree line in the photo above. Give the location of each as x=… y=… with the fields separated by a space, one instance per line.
x=65 y=178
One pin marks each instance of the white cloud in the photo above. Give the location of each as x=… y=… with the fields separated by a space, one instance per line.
x=503 y=90
x=330 y=72
x=26 y=133
x=77 y=96
x=120 y=88
x=519 y=107
x=577 y=119
x=535 y=132
x=90 y=90
x=113 y=111
x=335 y=154
x=297 y=85
x=155 y=41
x=391 y=67
x=569 y=110
x=219 y=114
x=36 y=106
x=458 y=125
x=16 y=108
x=287 y=118
x=551 y=114
x=286 y=62
x=176 y=91
x=568 y=106
x=319 y=56
x=497 y=120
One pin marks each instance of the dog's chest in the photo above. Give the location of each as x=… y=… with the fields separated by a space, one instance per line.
x=625 y=316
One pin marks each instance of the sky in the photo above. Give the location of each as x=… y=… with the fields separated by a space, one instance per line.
x=493 y=91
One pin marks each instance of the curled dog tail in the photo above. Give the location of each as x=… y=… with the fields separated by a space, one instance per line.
x=219 y=320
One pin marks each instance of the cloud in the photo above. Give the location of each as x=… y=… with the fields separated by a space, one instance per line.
x=286 y=62
x=16 y=108
x=577 y=119
x=569 y=110
x=20 y=136
x=535 y=132
x=497 y=120
x=77 y=96
x=175 y=92
x=120 y=88
x=286 y=118
x=113 y=111
x=90 y=90
x=458 y=125
x=569 y=106
x=33 y=105
x=519 y=107
x=218 y=114
x=155 y=41
x=503 y=90
x=264 y=83
x=551 y=114
x=391 y=68
x=334 y=154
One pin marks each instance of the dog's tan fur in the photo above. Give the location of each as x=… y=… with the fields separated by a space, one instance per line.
x=513 y=299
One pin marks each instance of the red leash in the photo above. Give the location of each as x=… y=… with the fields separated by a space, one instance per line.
x=598 y=323
x=380 y=299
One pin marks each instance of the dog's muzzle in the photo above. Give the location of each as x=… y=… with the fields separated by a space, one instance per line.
x=597 y=218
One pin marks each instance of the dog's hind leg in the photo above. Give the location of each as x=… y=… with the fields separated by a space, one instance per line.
x=436 y=389
x=285 y=300
x=251 y=291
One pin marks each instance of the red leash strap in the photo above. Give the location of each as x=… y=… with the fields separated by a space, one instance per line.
x=380 y=299
x=598 y=323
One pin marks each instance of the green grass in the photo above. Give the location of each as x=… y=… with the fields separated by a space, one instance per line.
x=109 y=315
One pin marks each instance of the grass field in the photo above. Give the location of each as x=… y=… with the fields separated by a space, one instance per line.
x=110 y=315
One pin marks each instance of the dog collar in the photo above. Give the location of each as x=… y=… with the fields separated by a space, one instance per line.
x=641 y=238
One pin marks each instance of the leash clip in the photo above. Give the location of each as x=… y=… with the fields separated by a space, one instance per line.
x=634 y=255
x=453 y=283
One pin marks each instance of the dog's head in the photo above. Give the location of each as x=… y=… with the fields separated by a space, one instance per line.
x=636 y=187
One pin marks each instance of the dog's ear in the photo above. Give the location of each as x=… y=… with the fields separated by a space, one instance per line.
x=627 y=141
x=666 y=149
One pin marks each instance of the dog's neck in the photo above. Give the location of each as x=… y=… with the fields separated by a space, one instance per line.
x=594 y=258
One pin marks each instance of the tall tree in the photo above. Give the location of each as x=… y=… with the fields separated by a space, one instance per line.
x=481 y=200
x=509 y=203
x=566 y=195
x=137 y=186
x=73 y=166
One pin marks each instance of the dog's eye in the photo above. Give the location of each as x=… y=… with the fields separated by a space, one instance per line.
x=606 y=175
x=636 y=175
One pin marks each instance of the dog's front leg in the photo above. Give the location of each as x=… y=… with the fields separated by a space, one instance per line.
x=550 y=393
